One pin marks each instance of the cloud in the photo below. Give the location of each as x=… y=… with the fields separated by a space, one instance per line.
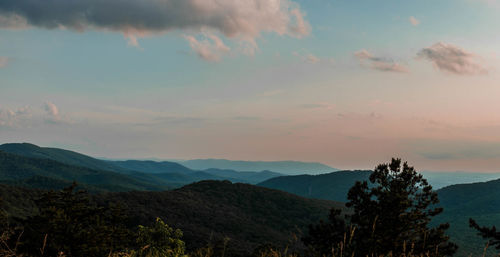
x=27 y=116
x=51 y=109
x=241 y=20
x=366 y=59
x=13 y=21
x=414 y=21
x=211 y=48
x=452 y=59
x=4 y=61
x=12 y=118
x=313 y=59
x=300 y=27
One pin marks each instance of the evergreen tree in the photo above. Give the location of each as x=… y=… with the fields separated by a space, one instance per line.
x=390 y=215
x=491 y=234
x=328 y=237
x=70 y=223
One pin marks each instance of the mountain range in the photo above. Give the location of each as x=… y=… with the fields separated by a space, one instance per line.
x=261 y=209
x=284 y=167
x=151 y=175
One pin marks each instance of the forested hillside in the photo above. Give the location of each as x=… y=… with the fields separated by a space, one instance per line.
x=209 y=211
x=332 y=186
x=46 y=173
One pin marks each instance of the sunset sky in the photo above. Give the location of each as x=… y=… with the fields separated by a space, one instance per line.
x=346 y=83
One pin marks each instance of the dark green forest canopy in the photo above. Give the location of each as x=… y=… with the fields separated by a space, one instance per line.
x=207 y=211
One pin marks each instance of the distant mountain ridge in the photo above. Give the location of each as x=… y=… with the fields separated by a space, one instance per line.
x=151 y=166
x=161 y=174
x=284 y=167
x=47 y=173
x=60 y=155
x=332 y=186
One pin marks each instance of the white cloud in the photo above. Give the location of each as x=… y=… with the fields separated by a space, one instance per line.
x=453 y=59
x=30 y=117
x=414 y=21
x=210 y=48
x=366 y=59
x=51 y=109
x=13 y=118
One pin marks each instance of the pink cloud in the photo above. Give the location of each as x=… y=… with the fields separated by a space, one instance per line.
x=453 y=59
x=212 y=48
x=366 y=59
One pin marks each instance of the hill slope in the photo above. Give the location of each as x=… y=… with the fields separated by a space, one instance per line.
x=160 y=173
x=45 y=173
x=152 y=166
x=332 y=186
x=208 y=212
x=479 y=201
x=252 y=177
x=60 y=155
x=248 y=215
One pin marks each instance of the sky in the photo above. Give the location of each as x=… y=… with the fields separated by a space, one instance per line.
x=346 y=83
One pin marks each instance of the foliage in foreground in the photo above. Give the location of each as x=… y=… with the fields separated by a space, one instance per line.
x=69 y=224
x=390 y=216
x=489 y=233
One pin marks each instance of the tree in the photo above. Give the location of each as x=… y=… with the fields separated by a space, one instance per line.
x=328 y=237
x=491 y=234
x=390 y=214
x=68 y=222
x=160 y=240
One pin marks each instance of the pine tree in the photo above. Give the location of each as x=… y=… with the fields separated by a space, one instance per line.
x=328 y=237
x=491 y=234
x=70 y=223
x=391 y=215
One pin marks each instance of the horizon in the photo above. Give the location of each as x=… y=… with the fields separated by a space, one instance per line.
x=346 y=84
x=179 y=161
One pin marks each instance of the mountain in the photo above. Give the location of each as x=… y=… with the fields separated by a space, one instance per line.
x=152 y=166
x=46 y=173
x=460 y=202
x=332 y=186
x=60 y=155
x=479 y=201
x=285 y=167
x=251 y=177
x=440 y=179
x=208 y=212
x=160 y=173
